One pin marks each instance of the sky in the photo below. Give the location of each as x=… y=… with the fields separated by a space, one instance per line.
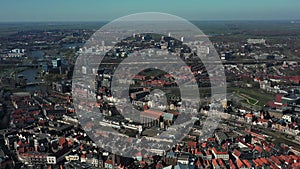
x=107 y=10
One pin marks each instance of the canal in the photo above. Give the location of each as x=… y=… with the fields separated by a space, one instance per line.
x=31 y=75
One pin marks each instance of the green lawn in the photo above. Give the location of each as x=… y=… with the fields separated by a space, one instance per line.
x=253 y=95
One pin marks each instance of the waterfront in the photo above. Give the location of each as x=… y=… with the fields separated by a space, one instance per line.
x=31 y=76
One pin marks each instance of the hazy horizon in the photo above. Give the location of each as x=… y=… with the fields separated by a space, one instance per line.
x=106 y=21
x=194 y=10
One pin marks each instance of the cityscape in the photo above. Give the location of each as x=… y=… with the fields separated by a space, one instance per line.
x=83 y=95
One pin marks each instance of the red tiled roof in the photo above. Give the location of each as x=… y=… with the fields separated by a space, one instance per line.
x=255 y=134
x=159 y=166
x=267 y=148
x=288 y=159
x=278 y=98
x=282 y=158
x=62 y=141
x=70 y=142
x=214 y=162
x=198 y=163
x=294 y=79
x=20 y=143
x=265 y=161
x=297 y=158
x=207 y=162
x=258 y=148
x=232 y=165
x=197 y=152
x=175 y=113
x=249 y=115
x=239 y=163
x=108 y=161
x=296 y=165
x=138 y=154
x=151 y=113
x=143 y=162
x=255 y=162
x=275 y=160
x=221 y=163
x=211 y=139
x=263 y=120
x=177 y=147
x=236 y=152
x=218 y=152
x=273 y=166
x=246 y=162
x=192 y=144
x=259 y=162
x=21 y=150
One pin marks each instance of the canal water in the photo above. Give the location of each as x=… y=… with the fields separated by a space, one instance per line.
x=31 y=76
x=38 y=54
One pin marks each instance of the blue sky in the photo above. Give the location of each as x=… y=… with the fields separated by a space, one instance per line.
x=107 y=10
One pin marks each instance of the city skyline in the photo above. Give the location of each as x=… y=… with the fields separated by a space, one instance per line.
x=35 y=11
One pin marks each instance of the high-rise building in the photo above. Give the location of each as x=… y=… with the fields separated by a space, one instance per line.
x=56 y=63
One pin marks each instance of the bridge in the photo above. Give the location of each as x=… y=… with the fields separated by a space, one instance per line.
x=34 y=83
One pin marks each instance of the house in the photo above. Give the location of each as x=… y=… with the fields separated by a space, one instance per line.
x=287 y=117
x=221 y=163
x=240 y=164
x=232 y=164
x=55 y=113
x=184 y=166
x=207 y=156
x=171 y=158
x=221 y=137
x=183 y=159
x=236 y=154
x=151 y=118
x=249 y=117
x=263 y=122
x=220 y=154
x=108 y=164
x=199 y=163
x=215 y=164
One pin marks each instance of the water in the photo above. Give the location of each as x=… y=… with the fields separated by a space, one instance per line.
x=39 y=54
x=73 y=45
x=30 y=75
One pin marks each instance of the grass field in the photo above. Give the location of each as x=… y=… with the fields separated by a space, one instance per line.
x=254 y=96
